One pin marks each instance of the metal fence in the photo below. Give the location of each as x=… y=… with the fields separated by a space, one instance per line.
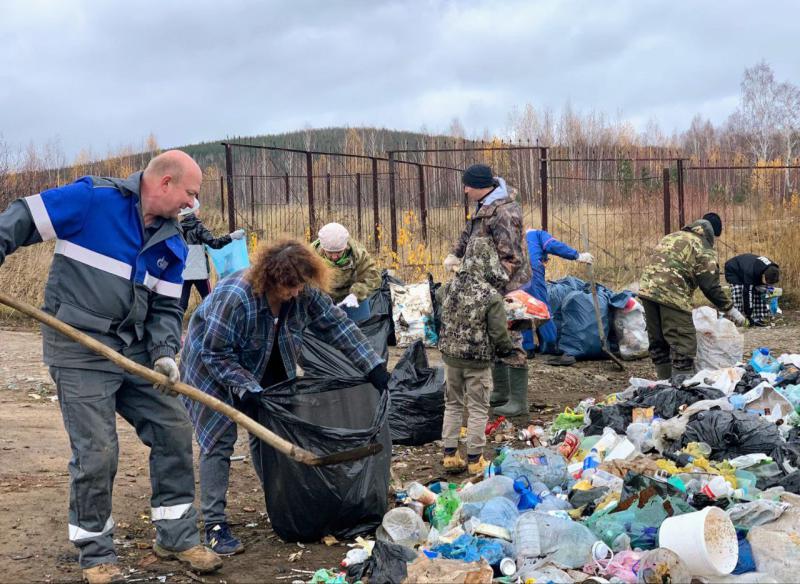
x=409 y=206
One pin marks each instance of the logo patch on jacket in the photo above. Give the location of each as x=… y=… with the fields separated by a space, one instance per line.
x=162 y=263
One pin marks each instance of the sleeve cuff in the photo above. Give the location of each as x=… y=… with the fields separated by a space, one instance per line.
x=162 y=351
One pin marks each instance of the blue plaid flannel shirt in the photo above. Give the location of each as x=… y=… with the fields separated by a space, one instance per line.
x=230 y=339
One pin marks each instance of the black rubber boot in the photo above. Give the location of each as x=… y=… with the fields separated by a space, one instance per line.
x=663 y=371
x=518 y=393
x=500 y=385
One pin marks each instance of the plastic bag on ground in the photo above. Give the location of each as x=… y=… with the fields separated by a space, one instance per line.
x=388 y=564
x=719 y=344
x=403 y=526
x=416 y=407
x=231 y=258
x=412 y=314
x=489 y=488
x=305 y=503
x=776 y=547
x=565 y=543
x=755 y=513
x=631 y=331
x=468 y=548
x=425 y=570
x=538 y=464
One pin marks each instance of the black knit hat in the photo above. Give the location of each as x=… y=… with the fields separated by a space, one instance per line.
x=478 y=176
x=716 y=223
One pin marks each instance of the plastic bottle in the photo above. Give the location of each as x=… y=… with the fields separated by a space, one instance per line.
x=421 y=493
x=526 y=538
x=590 y=463
x=496 y=486
x=717 y=488
x=549 y=500
x=763 y=362
x=355 y=556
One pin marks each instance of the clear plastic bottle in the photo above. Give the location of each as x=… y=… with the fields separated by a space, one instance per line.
x=527 y=538
x=590 y=463
x=549 y=500
x=355 y=556
x=763 y=362
x=489 y=488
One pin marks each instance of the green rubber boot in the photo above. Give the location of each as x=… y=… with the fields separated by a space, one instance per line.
x=663 y=371
x=517 y=404
x=500 y=385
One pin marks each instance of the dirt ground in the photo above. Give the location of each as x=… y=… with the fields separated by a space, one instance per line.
x=34 y=451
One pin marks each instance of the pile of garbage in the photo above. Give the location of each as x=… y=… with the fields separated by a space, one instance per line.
x=656 y=483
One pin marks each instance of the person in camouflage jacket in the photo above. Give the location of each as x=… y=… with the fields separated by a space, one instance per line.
x=682 y=262
x=499 y=217
x=354 y=276
x=473 y=332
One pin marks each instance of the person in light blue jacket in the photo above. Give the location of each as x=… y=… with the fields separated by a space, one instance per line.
x=541 y=245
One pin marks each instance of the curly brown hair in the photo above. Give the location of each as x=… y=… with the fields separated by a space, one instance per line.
x=287 y=263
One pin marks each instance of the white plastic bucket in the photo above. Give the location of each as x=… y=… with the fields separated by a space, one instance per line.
x=705 y=540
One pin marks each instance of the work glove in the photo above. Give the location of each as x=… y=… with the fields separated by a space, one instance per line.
x=379 y=377
x=734 y=315
x=238 y=234
x=451 y=263
x=350 y=301
x=585 y=258
x=167 y=366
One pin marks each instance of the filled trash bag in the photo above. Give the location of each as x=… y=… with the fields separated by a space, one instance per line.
x=416 y=407
x=378 y=326
x=325 y=416
x=732 y=434
x=631 y=331
x=719 y=344
x=231 y=258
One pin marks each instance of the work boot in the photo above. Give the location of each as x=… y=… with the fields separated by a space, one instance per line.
x=680 y=375
x=562 y=360
x=199 y=558
x=476 y=465
x=220 y=539
x=517 y=404
x=500 y=384
x=103 y=574
x=454 y=463
x=663 y=371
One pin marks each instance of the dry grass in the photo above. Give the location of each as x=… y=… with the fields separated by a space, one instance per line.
x=620 y=239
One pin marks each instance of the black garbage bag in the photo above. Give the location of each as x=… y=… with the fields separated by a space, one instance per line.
x=790 y=482
x=325 y=416
x=379 y=327
x=388 y=564
x=732 y=434
x=633 y=484
x=665 y=400
x=750 y=379
x=416 y=407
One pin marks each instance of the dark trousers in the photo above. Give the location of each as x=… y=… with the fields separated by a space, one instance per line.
x=671 y=334
x=203 y=287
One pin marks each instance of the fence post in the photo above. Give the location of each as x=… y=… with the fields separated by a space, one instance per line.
x=312 y=215
x=231 y=193
x=543 y=180
x=328 y=195
x=667 y=203
x=376 y=217
x=286 y=186
x=358 y=205
x=423 y=206
x=252 y=202
x=222 y=194
x=681 y=208
x=392 y=201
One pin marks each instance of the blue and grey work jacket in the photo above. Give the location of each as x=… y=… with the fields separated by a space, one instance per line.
x=111 y=277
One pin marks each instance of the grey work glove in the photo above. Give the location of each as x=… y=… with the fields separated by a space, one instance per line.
x=168 y=367
x=451 y=263
x=585 y=258
x=734 y=315
x=238 y=234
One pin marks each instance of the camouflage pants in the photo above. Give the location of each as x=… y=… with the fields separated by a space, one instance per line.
x=671 y=334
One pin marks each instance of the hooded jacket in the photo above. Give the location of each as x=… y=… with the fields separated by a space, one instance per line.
x=682 y=262
x=747 y=269
x=355 y=273
x=474 y=324
x=110 y=277
x=499 y=218
x=197 y=235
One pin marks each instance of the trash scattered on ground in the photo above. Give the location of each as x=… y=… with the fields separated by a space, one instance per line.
x=654 y=483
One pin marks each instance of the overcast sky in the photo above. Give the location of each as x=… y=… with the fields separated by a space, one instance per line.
x=100 y=74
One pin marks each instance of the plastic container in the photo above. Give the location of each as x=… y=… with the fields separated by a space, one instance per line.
x=403 y=526
x=623 y=450
x=717 y=488
x=704 y=540
x=489 y=488
x=508 y=567
x=421 y=493
x=590 y=463
x=355 y=556
x=763 y=362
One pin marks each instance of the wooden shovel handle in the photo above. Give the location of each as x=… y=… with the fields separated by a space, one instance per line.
x=281 y=445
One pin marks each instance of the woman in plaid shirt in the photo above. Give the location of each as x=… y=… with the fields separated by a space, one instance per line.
x=247 y=336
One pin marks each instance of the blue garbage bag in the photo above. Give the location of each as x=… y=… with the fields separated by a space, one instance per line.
x=231 y=258
x=468 y=548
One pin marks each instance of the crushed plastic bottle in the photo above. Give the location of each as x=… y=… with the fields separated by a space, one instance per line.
x=355 y=556
x=590 y=463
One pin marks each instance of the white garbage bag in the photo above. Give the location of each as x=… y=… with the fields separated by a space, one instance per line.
x=412 y=313
x=719 y=344
x=629 y=325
